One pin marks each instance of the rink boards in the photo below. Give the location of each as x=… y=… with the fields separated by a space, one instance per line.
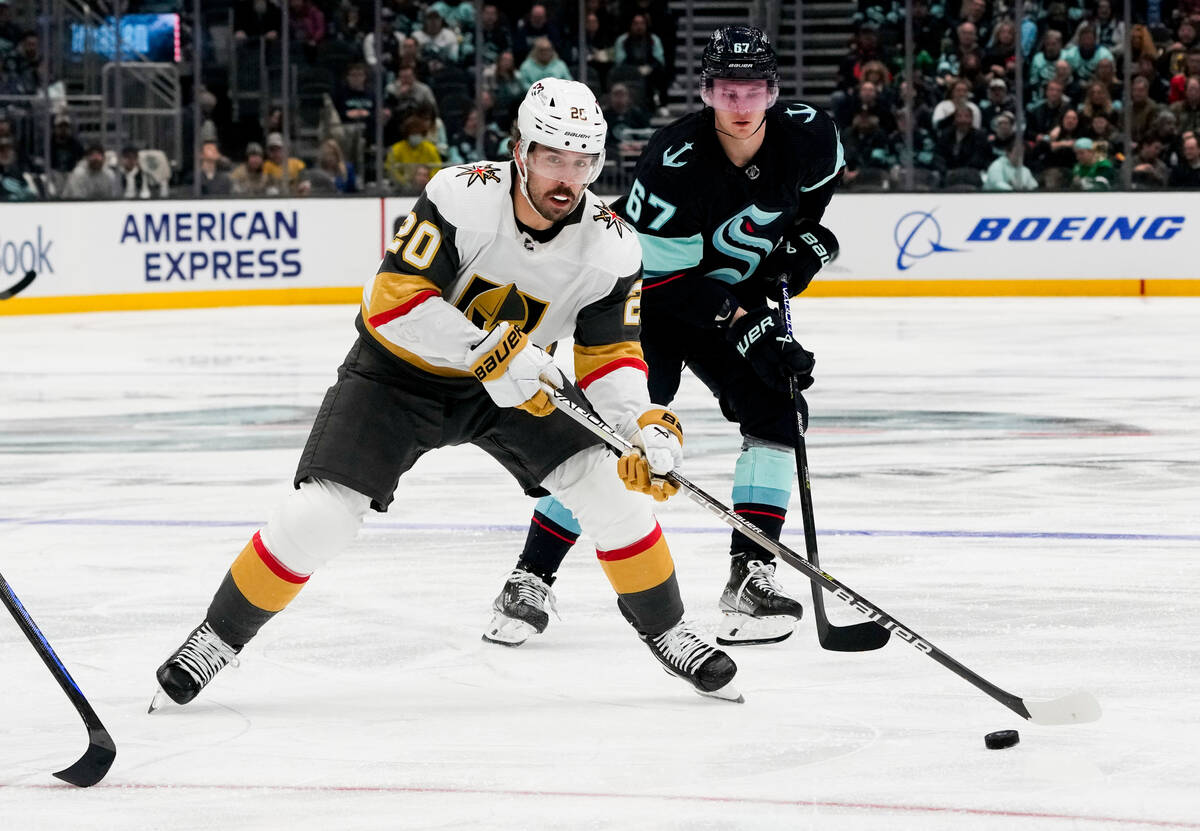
x=187 y=254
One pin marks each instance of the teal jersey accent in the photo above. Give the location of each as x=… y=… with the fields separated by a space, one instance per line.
x=559 y=513
x=732 y=240
x=667 y=255
x=763 y=475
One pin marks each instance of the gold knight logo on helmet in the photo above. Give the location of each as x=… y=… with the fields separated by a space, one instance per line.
x=487 y=304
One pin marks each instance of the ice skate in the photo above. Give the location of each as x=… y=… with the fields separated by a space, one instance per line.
x=757 y=610
x=188 y=671
x=521 y=609
x=686 y=655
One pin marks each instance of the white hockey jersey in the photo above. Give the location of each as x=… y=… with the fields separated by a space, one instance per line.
x=459 y=265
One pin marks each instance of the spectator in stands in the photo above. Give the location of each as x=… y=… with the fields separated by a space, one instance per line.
x=962 y=145
x=599 y=50
x=253 y=19
x=867 y=151
x=213 y=171
x=999 y=59
x=1003 y=133
x=640 y=49
x=332 y=174
x=958 y=95
x=93 y=179
x=463 y=145
x=387 y=54
x=355 y=102
x=422 y=173
x=1186 y=174
x=1173 y=56
x=1046 y=114
x=1191 y=68
x=929 y=166
x=274 y=166
x=1110 y=31
x=65 y=148
x=1096 y=102
x=537 y=24
x=1149 y=170
x=437 y=41
x=1086 y=53
x=249 y=178
x=1056 y=18
x=10 y=32
x=1106 y=74
x=15 y=185
x=927 y=30
x=1187 y=111
x=1063 y=73
x=1006 y=172
x=1142 y=43
x=412 y=150
x=497 y=37
x=135 y=182
x=408 y=16
x=998 y=101
x=1143 y=110
x=543 y=62
x=866 y=100
x=1159 y=87
x=975 y=12
x=966 y=41
x=23 y=66
x=459 y=15
x=622 y=116
x=1042 y=68
x=1091 y=172
x=1103 y=130
x=505 y=86
x=404 y=95
x=307 y=22
x=864 y=48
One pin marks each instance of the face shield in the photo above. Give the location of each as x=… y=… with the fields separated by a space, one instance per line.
x=729 y=95
x=563 y=165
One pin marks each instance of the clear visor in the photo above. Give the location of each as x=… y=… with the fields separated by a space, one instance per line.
x=563 y=165
x=739 y=96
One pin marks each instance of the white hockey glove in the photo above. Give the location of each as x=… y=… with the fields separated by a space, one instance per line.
x=658 y=449
x=509 y=367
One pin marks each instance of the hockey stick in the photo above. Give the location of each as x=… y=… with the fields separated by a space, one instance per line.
x=857 y=637
x=1074 y=708
x=19 y=286
x=98 y=758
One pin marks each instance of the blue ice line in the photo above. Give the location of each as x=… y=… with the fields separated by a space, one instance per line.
x=485 y=528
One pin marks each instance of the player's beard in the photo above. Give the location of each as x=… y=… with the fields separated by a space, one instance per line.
x=553 y=209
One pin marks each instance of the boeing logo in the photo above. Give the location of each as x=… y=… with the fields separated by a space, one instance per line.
x=918 y=234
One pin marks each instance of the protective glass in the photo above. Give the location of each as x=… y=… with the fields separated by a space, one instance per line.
x=739 y=96
x=564 y=165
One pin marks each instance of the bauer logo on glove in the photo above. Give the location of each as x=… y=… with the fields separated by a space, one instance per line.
x=510 y=369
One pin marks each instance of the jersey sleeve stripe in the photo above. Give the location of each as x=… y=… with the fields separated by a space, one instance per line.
x=648 y=283
x=838 y=163
x=594 y=362
x=662 y=255
x=403 y=309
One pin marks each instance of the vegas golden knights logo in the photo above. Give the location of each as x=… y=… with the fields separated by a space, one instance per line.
x=486 y=304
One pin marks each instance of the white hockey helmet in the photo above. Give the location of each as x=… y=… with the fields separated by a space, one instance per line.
x=563 y=115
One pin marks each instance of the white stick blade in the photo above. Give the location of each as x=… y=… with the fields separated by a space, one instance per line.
x=1076 y=708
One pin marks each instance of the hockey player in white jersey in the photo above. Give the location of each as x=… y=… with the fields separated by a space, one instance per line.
x=495 y=263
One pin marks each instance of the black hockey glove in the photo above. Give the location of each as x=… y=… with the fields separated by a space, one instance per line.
x=805 y=248
x=761 y=338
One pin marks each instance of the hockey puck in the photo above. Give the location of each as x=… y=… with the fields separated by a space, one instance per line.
x=1001 y=739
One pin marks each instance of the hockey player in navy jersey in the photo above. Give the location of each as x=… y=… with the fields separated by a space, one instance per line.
x=725 y=200
x=495 y=263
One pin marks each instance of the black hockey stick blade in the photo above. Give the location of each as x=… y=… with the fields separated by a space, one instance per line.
x=857 y=637
x=19 y=286
x=93 y=765
x=98 y=758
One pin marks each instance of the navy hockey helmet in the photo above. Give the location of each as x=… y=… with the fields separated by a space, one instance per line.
x=738 y=53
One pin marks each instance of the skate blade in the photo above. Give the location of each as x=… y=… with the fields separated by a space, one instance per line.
x=738 y=629
x=160 y=698
x=507 y=631
x=726 y=693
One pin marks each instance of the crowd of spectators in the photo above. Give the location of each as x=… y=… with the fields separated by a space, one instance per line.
x=965 y=129
x=424 y=57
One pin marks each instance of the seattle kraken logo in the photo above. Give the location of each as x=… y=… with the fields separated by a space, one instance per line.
x=917 y=235
x=735 y=240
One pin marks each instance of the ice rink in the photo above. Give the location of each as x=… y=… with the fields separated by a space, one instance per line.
x=1018 y=480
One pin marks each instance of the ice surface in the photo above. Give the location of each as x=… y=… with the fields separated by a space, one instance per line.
x=1018 y=480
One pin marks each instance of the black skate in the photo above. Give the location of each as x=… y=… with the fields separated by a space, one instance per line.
x=188 y=671
x=686 y=655
x=521 y=609
x=756 y=608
